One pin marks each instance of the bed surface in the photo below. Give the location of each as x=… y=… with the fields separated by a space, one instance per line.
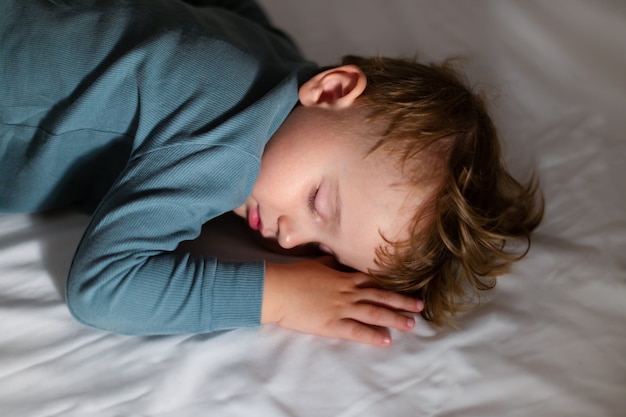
x=550 y=340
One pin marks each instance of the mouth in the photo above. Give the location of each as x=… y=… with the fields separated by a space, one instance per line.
x=254 y=220
x=325 y=249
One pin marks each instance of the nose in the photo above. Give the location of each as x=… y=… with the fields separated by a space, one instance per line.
x=292 y=234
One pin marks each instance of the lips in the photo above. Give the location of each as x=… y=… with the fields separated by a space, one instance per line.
x=325 y=249
x=254 y=220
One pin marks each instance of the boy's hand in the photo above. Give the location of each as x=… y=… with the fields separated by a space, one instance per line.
x=311 y=297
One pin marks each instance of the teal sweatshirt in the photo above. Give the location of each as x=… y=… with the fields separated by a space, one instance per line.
x=155 y=114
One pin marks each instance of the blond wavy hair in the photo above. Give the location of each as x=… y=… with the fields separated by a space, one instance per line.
x=441 y=130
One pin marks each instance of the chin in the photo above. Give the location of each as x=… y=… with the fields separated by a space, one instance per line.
x=273 y=246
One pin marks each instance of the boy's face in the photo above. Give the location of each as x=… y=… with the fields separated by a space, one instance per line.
x=317 y=186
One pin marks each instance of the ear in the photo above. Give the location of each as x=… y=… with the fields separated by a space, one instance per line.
x=336 y=88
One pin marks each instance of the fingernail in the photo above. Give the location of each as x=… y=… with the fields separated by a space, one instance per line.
x=410 y=323
x=420 y=305
x=386 y=340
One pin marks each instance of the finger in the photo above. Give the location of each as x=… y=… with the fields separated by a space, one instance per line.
x=375 y=315
x=363 y=280
x=391 y=299
x=362 y=333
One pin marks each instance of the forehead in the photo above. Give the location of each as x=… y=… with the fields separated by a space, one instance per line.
x=377 y=207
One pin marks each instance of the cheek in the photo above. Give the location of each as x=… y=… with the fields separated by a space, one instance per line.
x=279 y=191
x=363 y=260
x=280 y=171
x=359 y=251
x=269 y=181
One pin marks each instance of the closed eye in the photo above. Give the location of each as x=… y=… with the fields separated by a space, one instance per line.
x=311 y=200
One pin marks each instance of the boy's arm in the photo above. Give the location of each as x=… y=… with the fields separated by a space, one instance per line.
x=245 y=8
x=248 y=9
x=314 y=298
x=126 y=276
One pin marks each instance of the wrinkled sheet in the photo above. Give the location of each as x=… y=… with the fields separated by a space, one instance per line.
x=550 y=340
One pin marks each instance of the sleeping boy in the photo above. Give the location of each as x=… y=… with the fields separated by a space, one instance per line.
x=160 y=115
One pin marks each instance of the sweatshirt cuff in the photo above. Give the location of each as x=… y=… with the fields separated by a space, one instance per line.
x=237 y=295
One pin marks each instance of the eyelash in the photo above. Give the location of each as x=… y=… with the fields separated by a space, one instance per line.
x=311 y=202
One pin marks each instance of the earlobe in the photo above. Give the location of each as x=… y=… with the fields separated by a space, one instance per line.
x=335 y=88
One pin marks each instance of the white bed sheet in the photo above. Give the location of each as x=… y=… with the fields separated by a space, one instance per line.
x=550 y=340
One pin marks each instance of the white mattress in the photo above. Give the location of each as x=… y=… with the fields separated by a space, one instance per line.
x=550 y=340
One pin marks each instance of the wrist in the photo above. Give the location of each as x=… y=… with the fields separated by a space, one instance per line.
x=273 y=297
